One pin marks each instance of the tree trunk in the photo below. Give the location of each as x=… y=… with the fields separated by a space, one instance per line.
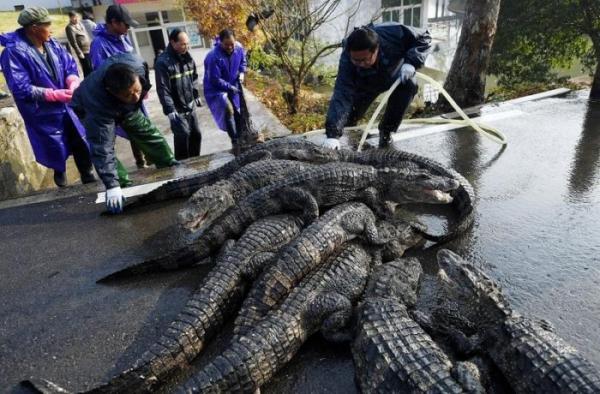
x=595 y=92
x=466 y=79
x=292 y=98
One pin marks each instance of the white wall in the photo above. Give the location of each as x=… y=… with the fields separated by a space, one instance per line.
x=8 y=5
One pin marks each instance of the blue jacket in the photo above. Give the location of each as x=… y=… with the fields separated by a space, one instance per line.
x=105 y=45
x=221 y=73
x=27 y=76
x=396 y=43
x=101 y=111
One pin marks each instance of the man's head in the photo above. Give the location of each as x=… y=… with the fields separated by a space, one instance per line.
x=119 y=20
x=36 y=21
x=123 y=83
x=73 y=17
x=227 y=38
x=363 y=46
x=180 y=41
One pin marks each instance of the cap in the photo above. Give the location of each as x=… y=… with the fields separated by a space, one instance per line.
x=34 y=15
x=121 y=14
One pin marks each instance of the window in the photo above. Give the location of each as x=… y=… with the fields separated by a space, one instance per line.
x=407 y=12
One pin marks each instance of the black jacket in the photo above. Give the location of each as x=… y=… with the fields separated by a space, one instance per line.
x=396 y=43
x=176 y=81
x=100 y=112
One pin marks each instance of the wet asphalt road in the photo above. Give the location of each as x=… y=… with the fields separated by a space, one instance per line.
x=537 y=232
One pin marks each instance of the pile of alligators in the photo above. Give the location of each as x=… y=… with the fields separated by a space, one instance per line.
x=306 y=240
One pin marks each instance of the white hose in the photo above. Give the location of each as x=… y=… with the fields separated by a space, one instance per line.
x=490 y=132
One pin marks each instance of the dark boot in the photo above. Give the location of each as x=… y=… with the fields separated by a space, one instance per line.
x=60 y=178
x=237 y=149
x=87 y=176
x=384 y=139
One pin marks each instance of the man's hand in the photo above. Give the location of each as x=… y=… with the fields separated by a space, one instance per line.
x=114 y=200
x=58 y=95
x=174 y=117
x=234 y=90
x=242 y=78
x=332 y=143
x=72 y=82
x=198 y=102
x=407 y=72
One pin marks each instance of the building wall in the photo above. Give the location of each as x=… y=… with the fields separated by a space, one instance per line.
x=9 y=5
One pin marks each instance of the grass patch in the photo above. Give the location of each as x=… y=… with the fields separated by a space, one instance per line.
x=8 y=22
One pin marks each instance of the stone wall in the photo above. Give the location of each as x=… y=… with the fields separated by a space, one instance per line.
x=19 y=172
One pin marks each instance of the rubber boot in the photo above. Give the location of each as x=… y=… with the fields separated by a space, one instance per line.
x=384 y=139
x=60 y=178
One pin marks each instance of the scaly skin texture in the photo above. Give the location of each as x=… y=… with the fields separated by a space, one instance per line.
x=323 y=300
x=463 y=196
x=209 y=202
x=209 y=306
x=473 y=312
x=280 y=148
x=392 y=353
x=306 y=191
x=303 y=255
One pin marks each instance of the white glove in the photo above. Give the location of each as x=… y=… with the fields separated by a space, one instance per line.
x=242 y=77
x=114 y=200
x=407 y=71
x=332 y=143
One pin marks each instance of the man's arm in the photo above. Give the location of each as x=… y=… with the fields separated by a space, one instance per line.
x=18 y=79
x=73 y=41
x=418 y=44
x=101 y=137
x=163 y=87
x=214 y=77
x=341 y=101
x=195 y=81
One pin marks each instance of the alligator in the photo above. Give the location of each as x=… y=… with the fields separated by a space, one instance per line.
x=280 y=148
x=322 y=301
x=303 y=255
x=391 y=352
x=319 y=186
x=209 y=202
x=463 y=197
x=473 y=314
x=215 y=300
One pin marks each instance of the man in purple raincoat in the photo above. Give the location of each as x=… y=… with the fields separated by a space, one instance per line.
x=42 y=75
x=224 y=68
x=110 y=39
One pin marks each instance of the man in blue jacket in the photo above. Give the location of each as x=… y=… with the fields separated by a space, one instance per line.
x=110 y=39
x=110 y=96
x=373 y=58
x=42 y=75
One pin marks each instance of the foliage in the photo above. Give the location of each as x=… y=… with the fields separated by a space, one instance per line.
x=261 y=60
x=312 y=105
x=535 y=36
x=215 y=15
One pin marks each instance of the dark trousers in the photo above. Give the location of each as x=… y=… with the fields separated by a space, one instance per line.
x=186 y=136
x=86 y=64
x=394 y=111
x=232 y=122
x=77 y=146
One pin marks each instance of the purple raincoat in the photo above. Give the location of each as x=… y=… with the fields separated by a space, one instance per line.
x=105 y=45
x=27 y=77
x=221 y=73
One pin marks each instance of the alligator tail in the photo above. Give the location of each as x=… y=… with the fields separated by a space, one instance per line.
x=43 y=386
x=185 y=257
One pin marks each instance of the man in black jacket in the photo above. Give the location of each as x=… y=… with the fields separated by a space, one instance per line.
x=373 y=58
x=177 y=88
x=110 y=96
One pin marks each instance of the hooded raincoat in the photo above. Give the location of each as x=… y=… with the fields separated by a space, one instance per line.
x=221 y=73
x=27 y=76
x=105 y=45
